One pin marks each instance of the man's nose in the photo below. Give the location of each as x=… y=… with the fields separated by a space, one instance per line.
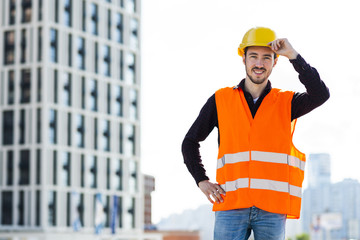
x=259 y=63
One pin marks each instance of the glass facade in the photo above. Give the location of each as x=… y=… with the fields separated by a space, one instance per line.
x=69 y=113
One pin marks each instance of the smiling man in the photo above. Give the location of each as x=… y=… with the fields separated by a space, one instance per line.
x=259 y=171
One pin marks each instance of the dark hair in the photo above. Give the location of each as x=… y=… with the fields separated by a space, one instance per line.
x=245 y=51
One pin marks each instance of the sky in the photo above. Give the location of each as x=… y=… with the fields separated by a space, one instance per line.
x=189 y=50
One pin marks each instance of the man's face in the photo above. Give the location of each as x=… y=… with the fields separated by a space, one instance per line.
x=259 y=62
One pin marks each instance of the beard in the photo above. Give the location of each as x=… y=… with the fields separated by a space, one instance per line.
x=257 y=80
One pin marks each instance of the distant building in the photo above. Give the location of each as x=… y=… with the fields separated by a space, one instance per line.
x=69 y=117
x=319 y=170
x=330 y=210
x=149 y=187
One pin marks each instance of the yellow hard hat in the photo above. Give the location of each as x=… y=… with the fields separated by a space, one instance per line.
x=259 y=36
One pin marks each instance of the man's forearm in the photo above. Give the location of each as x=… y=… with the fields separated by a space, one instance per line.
x=316 y=91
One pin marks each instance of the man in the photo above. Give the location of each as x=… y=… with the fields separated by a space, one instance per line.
x=259 y=171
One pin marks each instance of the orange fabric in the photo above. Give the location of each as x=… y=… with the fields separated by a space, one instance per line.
x=270 y=131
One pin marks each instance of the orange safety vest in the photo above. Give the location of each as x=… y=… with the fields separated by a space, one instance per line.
x=258 y=164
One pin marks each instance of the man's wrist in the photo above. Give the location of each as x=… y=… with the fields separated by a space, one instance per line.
x=293 y=55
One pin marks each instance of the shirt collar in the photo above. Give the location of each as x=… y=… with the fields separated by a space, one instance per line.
x=242 y=86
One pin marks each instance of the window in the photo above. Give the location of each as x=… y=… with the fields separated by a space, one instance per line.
x=37 y=208
x=9 y=47
x=53 y=45
x=56 y=13
x=96 y=60
x=95 y=133
x=131 y=6
x=121 y=65
x=119 y=28
x=53 y=126
x=66 y=89
x=81 y=53
x=39 y=84
x=134 y=30
x=39 y=57
x=80 y=131
x=40 y=10
x=68 y=209
x=26 y=11
x=108 y=98
x=94 y=19
x=109 y=24
x=67 y=13
x=69 y=130
x=105 y=135
x=25 y=86
x=107 y=61
x=129 y=218
x=84 y=15
x=24 y=167
x=11 y=87
x=76 y=207
x=81 y=208
x=130 y=73
x=8 y=128
x=92 y=175
x=69 y=50
x=21 y=208
x=93 y=95
x=54 y=170
x=130 y=140
x=107 y=211
x=118 y=104
x=83 y=170
x=83 y=93
x=116 y=179
x=52 y=208
x=65 y=169
x=108 y=173
x=22 y=128
x=38 y=125
x=10 y=168
x=6 y=208
x=121 y=140
x=23 y=46
x=133 y=180
x=38 y=167
x=133 y=107
x=55 y=89
x=12 y=15
x=119 y=202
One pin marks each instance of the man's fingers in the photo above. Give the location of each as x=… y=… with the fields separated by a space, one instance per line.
x=209 y=198
x=212 y=191
x=217 y=196
x=220 y=190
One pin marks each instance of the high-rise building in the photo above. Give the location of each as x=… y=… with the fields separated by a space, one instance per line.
x=330 y=211
x=69 y=117
x=319 y=170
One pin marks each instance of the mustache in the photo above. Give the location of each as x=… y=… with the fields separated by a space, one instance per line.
x=256 y=68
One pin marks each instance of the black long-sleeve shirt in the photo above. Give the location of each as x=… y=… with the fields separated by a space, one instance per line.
x=316 y=94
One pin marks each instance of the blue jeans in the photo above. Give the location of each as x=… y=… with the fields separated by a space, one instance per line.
x=237 y=224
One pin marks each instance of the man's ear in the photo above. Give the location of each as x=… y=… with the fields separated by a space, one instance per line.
x=243 y=57
x=275 y=61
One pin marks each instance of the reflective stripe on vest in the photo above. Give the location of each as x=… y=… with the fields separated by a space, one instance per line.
x=262 y=157
x=262 y=184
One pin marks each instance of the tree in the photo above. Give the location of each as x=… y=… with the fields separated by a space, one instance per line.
x=303 y=236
